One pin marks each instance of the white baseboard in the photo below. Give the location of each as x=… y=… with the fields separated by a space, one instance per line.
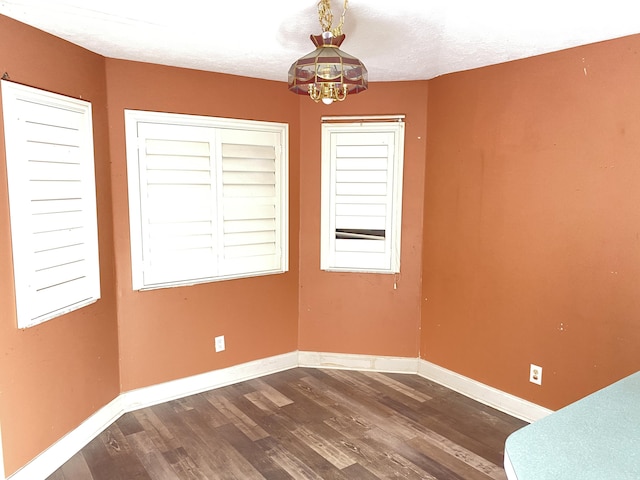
x=56 y=455
x=505 y=402
x=183 y=387
x=349 y=361
x=490 y=396
x=52 y=458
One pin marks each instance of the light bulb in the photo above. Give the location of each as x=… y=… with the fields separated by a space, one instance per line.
x=327 y=100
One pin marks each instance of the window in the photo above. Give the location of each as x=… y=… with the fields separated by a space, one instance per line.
x=207 y=198
x=52 y=202
x=362 y=196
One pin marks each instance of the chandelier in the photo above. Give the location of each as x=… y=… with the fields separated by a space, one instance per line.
x=328 y=74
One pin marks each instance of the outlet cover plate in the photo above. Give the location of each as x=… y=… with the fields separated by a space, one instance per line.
x=535 y=374
x=219 y=342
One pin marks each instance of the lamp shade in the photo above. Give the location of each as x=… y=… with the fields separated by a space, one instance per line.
x=327 y=72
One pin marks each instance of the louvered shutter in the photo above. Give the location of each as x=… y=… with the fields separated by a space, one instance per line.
x=251 y=237
x=177 y=203
x=50 y=165
x=207 y=198
x=361 y=197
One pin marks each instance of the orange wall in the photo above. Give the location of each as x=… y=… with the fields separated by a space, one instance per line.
x=532 y=222
x=520 y=238
x=362 y=313
x=55 y=375
x=169 y=333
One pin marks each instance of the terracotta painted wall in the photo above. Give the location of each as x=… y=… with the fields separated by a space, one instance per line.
x=362 y=313
x=55 y=375
x=520 y=239
x=532 y=222
x=169 y=333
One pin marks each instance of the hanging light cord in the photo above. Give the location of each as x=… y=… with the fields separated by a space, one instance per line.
x=326 y=17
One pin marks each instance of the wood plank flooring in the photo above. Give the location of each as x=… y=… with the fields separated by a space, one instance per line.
x=303 y=423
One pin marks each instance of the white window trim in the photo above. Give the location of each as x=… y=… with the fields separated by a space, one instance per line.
x=332 y=125
x=132 y=118
x=35 y=303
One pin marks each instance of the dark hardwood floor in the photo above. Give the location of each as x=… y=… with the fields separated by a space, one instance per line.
x=304 y=424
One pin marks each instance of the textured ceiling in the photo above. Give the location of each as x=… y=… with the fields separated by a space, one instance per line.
x=396 y=39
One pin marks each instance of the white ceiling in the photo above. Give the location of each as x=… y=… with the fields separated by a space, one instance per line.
x=396 y=39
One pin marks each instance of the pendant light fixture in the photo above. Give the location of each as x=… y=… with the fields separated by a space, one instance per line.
x=328 y=74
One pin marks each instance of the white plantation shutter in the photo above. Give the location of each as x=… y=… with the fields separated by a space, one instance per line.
x=207 y=198
x=251 y=239
x=50 y=166
x=362 y=194
x=177 y=202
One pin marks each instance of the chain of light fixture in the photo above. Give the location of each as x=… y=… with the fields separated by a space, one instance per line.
x=326 y=17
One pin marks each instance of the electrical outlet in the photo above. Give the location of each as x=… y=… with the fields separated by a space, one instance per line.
x=219 y=341
x=535 y=374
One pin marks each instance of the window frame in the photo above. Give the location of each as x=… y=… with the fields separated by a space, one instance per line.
x=218 y=127
x=352 y=125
